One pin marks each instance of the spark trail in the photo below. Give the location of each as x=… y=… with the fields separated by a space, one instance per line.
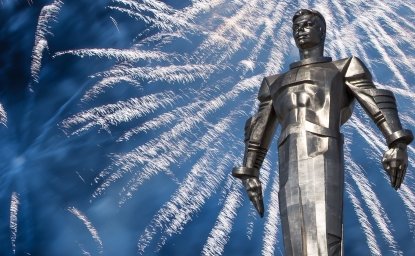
x=189 y=101
x=47 y=16
x=14 y=210
x=3 y=115
x=89 y=226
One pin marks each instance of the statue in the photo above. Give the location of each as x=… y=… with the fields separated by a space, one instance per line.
x=310 y=102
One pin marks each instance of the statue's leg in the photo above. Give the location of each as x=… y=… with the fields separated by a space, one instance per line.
x=311 y=195
x=334 y=175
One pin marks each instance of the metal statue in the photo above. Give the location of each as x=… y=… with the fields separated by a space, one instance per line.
x=310 y=102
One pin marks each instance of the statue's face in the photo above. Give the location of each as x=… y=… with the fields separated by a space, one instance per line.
x=307 y=32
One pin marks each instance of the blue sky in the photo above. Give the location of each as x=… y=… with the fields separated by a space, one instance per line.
x=121 y=139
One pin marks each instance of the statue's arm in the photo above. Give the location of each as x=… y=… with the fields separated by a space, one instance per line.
x=259 y=130
x=380 y=104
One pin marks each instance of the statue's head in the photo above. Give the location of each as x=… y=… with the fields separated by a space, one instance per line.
x=309 y=29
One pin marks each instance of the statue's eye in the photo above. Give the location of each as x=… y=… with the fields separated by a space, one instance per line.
x=295 y=27
x=309 y=24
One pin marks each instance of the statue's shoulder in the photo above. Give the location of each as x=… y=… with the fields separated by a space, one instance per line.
x=351 y=67
x=342 y=64
x=269 y=80
x=264 y=90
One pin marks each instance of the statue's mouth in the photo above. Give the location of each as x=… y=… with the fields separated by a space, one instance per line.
x=302 y=37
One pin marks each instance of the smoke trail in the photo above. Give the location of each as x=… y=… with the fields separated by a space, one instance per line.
x=47 y=16
x=14 y=210
x=89 y=226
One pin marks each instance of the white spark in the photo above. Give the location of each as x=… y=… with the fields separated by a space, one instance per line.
x=48 y=15
x=89 y=226
x=130 y=55
x=257 y=35
x=219 y=235
x=272 y=221
x=122 y=111
x=115 y=23
x=364 y=221
x=3 y=115
x=14 y=210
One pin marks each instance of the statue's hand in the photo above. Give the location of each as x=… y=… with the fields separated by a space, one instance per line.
x=395 y=162
x=254 y=189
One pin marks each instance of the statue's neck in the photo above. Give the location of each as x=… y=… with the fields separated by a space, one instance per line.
x=314 y=52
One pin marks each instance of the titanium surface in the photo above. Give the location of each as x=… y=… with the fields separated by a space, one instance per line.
x=310 y=102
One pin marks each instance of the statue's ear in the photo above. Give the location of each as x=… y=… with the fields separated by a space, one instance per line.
x=323 y=33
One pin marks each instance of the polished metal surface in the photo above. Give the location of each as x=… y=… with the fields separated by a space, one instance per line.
x=310 y=102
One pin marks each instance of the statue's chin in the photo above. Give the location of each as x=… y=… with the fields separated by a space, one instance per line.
x=306 y=46
x=303 y=45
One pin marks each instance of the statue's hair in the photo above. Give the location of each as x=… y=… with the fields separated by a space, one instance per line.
x=313 y=13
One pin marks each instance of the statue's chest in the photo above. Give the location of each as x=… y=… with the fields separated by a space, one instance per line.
x=310 y=86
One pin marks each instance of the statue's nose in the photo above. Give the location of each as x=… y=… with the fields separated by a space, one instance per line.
x=301 y=28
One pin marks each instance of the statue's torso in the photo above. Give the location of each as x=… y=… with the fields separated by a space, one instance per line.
x=311 y=102
x=313 y=93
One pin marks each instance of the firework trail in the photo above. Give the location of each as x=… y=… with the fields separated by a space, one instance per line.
x=372 y=202
x=364 y=221
x=3 y=115
x=48 y=15
x=14 y=210
x=181 y=120
x=271 y=225
x=219 y=235
x=89 y=226
x=222 y=42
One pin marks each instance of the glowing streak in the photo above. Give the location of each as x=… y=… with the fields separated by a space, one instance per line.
x=226 y=33
x=14 y=210
x=131 y=55
x=219 y=235
x=162 y=16
x=227 y=39
x=404 y=193
x=107 y=82
x=272 y=221
x=270 y=25
x=3 y=115
x=172 y=150
x=371 y=200
x=115 y=23
x=189 y=198
x=170 y=147
x=364 y=221
x=47 y=15
x=89 y=226
x=122 y=111
x=179 y=74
